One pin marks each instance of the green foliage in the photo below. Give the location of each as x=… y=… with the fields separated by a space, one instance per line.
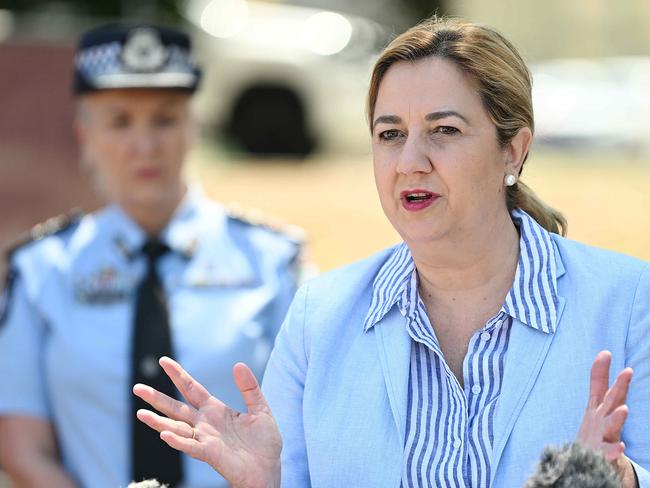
x=154 y=10
x=421 y=9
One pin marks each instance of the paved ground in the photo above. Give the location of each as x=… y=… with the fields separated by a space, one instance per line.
x=606 y=200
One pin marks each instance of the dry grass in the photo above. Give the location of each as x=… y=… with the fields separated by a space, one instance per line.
x=607 y=201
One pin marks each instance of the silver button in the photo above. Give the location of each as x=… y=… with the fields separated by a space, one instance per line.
x=149 y=367
x=476 y=389
x=485 y=336
x=457 y=443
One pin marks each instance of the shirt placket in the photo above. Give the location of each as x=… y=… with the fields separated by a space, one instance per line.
x=422 y=333
x=476 y=389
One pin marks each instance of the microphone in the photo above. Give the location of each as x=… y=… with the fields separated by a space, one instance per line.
x=573 y=466
x=146 y=484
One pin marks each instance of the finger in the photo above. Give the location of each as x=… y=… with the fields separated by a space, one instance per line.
x=193 y=391
x=187 y=445
x=249 y=389
x=160 y=423
x=599 y=378
x=613 y=450
x=614 y=424
x=165 y=404
x=617 y=394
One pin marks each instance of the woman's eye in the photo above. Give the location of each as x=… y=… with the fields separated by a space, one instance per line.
x=389 y=135
x=165 y=120
x=447 y=130
x=119 y=122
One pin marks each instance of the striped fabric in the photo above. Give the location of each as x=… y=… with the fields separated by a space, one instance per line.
x=449 y=428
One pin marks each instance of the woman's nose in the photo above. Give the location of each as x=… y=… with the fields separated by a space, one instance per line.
x=414 y=158
x=144 y=141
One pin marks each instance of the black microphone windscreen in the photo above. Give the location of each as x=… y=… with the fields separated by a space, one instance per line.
x=573 y=466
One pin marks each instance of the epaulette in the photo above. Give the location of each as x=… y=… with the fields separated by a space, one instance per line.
x=50 y=227
x=257 y=218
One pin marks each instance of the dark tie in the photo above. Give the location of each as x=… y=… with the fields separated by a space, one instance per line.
x=151 y=457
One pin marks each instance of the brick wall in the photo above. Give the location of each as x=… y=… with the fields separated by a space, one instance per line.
x=39 y=173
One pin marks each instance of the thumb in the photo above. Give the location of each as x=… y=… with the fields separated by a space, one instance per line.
x=249 y=389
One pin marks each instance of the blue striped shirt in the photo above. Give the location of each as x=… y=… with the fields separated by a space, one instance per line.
x=449 y=427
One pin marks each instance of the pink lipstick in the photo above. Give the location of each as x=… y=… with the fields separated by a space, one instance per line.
x=417 y=199
x=148 y=173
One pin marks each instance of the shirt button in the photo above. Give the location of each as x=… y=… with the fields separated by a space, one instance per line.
x=485 y=336
x=476 y=389
x=149 y=367
x=457 y=443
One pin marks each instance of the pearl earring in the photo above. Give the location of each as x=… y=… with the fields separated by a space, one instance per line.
x=509 y=180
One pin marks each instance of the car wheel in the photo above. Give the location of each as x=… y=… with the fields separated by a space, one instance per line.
x=269 y=120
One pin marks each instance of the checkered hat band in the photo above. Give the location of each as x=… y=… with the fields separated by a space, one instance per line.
x=105 y=59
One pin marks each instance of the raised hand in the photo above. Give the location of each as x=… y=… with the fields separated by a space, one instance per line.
x=243 y=447
x=605 y=415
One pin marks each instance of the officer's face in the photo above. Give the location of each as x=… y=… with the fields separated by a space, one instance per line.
x=439 y=168
x=136 y=141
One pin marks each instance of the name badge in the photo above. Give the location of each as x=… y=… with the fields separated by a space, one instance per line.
x=209 y=276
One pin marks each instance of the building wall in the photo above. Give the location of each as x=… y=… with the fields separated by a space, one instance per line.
x=39 y=173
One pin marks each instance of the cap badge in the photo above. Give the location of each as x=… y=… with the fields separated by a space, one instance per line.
x=144 y=51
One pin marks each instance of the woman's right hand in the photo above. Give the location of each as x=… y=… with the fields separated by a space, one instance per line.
x=603 y=421
x=243 y=447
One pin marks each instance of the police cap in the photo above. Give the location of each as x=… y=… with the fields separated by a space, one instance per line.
x=134 y=56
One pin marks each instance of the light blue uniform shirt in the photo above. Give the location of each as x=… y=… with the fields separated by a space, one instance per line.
x=449 y=427
x=65 y=345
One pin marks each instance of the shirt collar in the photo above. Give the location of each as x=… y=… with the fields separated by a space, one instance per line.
x=181 y=232
x=390 y=284
x=532 y=299
x=200 y=231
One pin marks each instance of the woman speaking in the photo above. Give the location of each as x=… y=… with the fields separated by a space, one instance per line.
x=454 y=357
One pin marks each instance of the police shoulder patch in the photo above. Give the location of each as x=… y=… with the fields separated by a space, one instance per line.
x=50 y=227
x=9 y=273
x=257 y=218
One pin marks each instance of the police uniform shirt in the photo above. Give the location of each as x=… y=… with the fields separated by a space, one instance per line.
x=65 y=342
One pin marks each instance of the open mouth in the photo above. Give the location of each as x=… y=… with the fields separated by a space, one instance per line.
x=417 y=199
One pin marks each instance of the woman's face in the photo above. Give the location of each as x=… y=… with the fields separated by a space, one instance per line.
x=136 y=141
x=439 y=168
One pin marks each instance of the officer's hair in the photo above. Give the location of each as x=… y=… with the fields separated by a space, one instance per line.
x=503 y=81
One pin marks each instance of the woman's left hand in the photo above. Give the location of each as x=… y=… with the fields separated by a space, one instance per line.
x=606 y=412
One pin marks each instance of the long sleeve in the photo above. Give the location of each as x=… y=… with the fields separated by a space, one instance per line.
x=636 y=433
x=22 y=389
x=283 y=385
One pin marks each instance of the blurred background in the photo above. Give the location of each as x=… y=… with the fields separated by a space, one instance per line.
x=281 y=109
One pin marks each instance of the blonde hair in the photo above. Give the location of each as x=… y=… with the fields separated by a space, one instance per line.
x=503 y=81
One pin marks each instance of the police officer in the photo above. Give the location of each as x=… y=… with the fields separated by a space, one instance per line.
x=91 y=302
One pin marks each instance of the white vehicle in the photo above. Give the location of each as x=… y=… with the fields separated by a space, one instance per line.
x=282 y=79
x=593 y=104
